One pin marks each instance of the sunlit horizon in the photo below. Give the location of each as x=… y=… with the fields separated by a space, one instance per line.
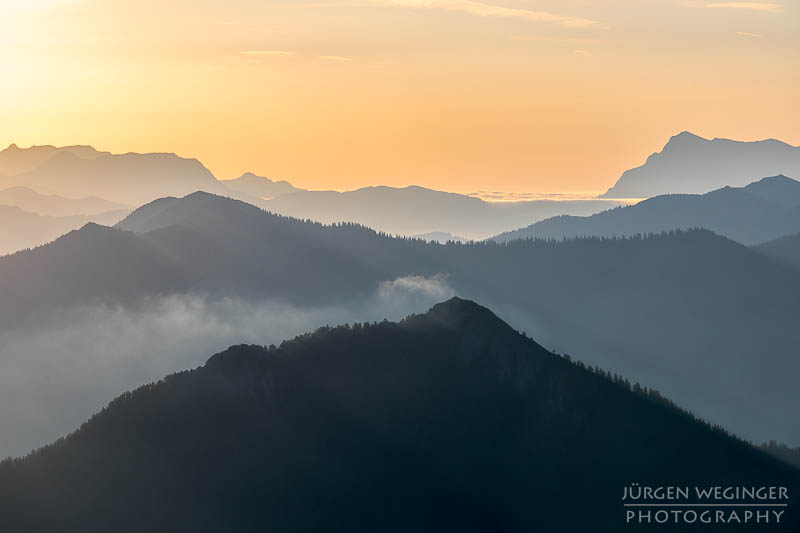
x=518 y=96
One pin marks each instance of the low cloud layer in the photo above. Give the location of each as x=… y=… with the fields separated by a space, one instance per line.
x=56 y=375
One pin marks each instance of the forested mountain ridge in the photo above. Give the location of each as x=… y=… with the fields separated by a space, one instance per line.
x=759 y=212
x=417 y=210
x=779 y=189
x=785 y=250
x=447 y=420
x=675 y=311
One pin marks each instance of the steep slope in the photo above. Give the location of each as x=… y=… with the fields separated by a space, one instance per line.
x=757 y=213
x=259 y=186
x=683 y=312
x=57 y=206
x=22 y=229
x=691 y=164
x=417 y=210
x=445 y=421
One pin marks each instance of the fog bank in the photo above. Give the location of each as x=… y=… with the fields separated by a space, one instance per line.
x=54 y=376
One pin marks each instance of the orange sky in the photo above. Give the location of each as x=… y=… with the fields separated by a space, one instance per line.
x=512 y=95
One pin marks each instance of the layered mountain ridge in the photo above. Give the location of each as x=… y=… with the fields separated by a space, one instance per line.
x=445 y=420
x=690 y=164
x=673 y=310
x=761 y=211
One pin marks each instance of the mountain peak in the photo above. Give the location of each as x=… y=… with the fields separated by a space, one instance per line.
x=202 y=195
x=778 y=178
x=261 y=432
x=690 y=164
x=261 y=187
x=458 y=313
x=780 y=190
x=200 y=209
x=251 y=176
x=460 y=308
x=685 y=137
x=94 y=229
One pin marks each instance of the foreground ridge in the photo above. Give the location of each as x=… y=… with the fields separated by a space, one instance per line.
x=449 y=419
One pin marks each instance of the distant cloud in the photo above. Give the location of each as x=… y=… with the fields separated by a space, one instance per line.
x=268 y=53
x=752 y=6
x=481 y=9
x=337 y=58
x=747 y=34
x=584 y=53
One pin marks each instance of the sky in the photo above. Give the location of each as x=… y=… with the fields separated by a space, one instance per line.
x=459 y=95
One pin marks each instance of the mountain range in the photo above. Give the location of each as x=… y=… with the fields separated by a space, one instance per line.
x=57 y=206
x=22 y=229
x=691 y=164
x=15 y=160
x=260 y=186
x=683 y=311
x=449 y=420
x=761 y=211
x=416 y=210
x=135 y=179
x=131 y=179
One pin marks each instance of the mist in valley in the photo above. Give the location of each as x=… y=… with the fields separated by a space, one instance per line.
x=55 y=374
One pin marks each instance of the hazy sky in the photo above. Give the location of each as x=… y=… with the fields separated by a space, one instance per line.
x=513 y=95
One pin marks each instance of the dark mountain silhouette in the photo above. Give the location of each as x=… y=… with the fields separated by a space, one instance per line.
x=785 y=250
x=759 y=212
x=22 y=229
x=783 y=452
x=259 y=186
x=16 y=160
x=58 y=206
x=417 y=210
x=448 y=421
x=682 y=311
x=691 y=164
